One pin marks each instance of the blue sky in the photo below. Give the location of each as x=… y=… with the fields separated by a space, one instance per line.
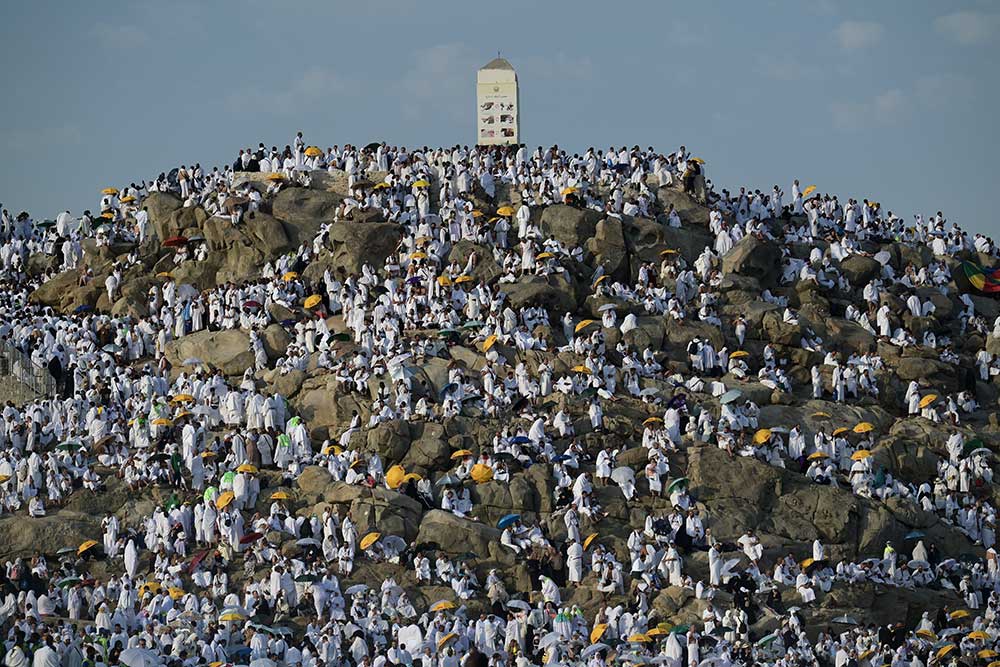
x=891 y=100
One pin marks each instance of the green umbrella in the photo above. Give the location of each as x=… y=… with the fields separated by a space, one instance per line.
x=209 y=492
x=228 y=477
x=679 y=482
x=69 y=581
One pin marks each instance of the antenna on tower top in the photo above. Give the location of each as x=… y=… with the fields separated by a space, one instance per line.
x=498 y=53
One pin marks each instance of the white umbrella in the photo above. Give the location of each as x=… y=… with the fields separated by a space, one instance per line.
x=263 y=662
x=594 y=648
x=411 y=638
x=607 y=306
x=623 y=475
x=883 y=257
x=355 y=589
x=138 y=657
x=518 y=604
x=550 y=639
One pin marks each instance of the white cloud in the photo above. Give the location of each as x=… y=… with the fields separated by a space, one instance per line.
x=884 y=108
x=939 y=90
x=785 y=68
x=120 y=35
x=316 y=85
x=853 y=35
x=441 y=79
x=42 y=138
x=968 y=27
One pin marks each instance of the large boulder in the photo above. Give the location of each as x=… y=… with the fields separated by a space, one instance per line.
x=227 y=350
x=571 y=226
x=352 y=244
x=609 y=249
x=554 y=292
x=755 y=257
x=691 y=211
x=454 y=535
x=859 y=269
x=47 y=534
x=305 y=210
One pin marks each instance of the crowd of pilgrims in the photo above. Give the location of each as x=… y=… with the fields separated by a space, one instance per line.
x=200 y=582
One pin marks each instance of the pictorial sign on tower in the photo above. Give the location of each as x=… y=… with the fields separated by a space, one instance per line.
x=497 y=104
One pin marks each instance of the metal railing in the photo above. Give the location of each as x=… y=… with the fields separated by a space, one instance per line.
x=22 y=376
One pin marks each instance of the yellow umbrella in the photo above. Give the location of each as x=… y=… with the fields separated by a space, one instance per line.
x=182 y=398
x=443 y=605
x=762 y=436
x=477 y=214
x=957 y=614
x=864 y=655
x=109 y=191
x=313 y=151
x=581 y=369
x=809 y=190
x=149 y=587
x=332 y=449
x=128 y=199
x=806 y=563
x=312 y=301
x=944 y=650
x=978 y=634
x=598 y=632
x=4 y=478
x=164 y=274
x=817 y=455
x=225 y=499
x=842 y=429
x=638 y=637
x=927 y=400
x=162 y=421
x=600 y=280
x=275 y=176
x=380 y=186
x=421 y=184
x=247 y=468
x=418 y=255
x=657 y=632
x=587 y=541
x=544 y=255
x=370 y=539
x=444 y=280
x=182 y=413
x=490 y=341
x=668 y=251
x=447 y=639
x=464 y=279
x=820 y=415
x=926 y=634
x=289 y=276
x=461 y=454
x=394 y=476
x=738 y=354
x=280 y=495
x=860 y=455
x=107 y=215
x=698 y=160
x=987 y=653
x=232 y=617
x=208 y=455
x=505 y=210
x=412 y=476
x=481 y=473
x=652 y=420
x=89 y=544
x=583 y=325
x=568 y=191
x=863 y=427
x=175 y=593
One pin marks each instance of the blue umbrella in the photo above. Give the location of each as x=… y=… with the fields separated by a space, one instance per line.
x=730 y=396
x=915 y=534
x=448 y=388
x=83 y=308
x=520 y=440
x=508 y=520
